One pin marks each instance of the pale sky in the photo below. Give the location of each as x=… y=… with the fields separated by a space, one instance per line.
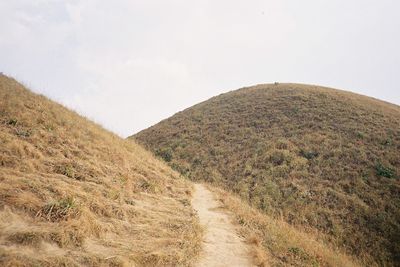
x=128 y=64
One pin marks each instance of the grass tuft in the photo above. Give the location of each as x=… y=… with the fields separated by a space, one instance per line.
x=62 y=209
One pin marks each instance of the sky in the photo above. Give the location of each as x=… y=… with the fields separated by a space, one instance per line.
x=128 y=64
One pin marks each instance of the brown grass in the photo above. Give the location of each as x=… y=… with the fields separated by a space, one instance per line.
x=73 y=194
x=276 y=243
x=319 y=158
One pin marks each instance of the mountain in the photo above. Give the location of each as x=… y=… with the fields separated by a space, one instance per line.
x=322 y=159
x=74 y=194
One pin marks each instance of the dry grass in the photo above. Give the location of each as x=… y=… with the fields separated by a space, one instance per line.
x=73 y=194
x=319 y=158
x=276 y=243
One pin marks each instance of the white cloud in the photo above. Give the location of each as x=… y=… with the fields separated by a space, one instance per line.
x=128 y=64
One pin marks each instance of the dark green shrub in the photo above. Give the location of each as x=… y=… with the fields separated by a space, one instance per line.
x=12 y=122
x=309 y=154
x=384 y=171
x=165 y=154
x=360 y=135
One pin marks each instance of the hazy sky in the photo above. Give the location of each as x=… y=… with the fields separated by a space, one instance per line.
x=128 y=64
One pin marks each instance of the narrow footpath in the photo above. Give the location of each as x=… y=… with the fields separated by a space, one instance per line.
x=222 y=247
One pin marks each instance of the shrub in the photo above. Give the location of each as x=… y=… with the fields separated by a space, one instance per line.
x=360 y=135
x=384 y=171
x=309 y=154
x=165 y=154
x=12 y=122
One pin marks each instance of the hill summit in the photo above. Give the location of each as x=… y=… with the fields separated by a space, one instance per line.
x=322 y=159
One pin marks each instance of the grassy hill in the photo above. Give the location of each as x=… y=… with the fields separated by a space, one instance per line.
x=73 y=194
x=321 y=159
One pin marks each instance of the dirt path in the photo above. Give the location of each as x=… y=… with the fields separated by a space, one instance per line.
x=221 y=245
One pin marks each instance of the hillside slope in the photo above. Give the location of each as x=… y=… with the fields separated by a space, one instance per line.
x=321 y=158
x=73 y=194
x=276 y=243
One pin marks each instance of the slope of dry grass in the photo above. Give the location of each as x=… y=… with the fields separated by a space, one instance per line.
x=322 y=159
x=74 y=194
x=275 y=242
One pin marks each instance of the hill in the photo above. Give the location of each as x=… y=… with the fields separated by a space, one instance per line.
x=74 y=194
x=322 y=159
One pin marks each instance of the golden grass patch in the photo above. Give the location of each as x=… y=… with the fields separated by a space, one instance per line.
x=73 y=194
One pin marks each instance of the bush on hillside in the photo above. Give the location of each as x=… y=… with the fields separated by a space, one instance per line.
x=309 y=154
x=384 y=171
x=165 y=154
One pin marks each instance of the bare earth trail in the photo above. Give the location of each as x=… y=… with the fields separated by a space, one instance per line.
x=221 y=245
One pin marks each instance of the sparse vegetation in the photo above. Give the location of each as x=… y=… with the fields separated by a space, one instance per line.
x=73 y=194
x=303 y=153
